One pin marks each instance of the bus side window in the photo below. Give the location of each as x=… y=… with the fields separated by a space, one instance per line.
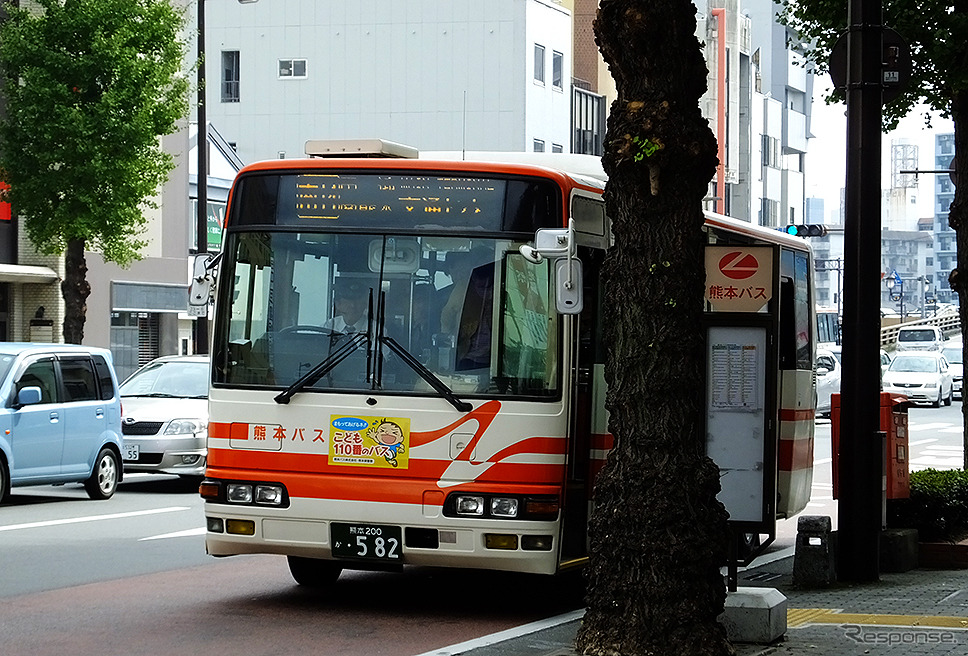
x=788 y=341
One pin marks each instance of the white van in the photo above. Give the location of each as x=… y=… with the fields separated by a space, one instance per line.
x=920 y=338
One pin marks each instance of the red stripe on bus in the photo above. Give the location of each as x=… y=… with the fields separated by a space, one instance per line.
x=798 y=415
x=272 y=463
x=219 y=429
x=793 y=455
x=363 y=487
x=603 y=441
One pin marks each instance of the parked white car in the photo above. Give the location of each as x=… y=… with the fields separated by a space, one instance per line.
x=953 y=353
x=924 y=377
x=827 y=368
x=165 y=416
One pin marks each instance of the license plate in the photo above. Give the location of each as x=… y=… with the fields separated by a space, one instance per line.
x=131 y=452
x=366 y=541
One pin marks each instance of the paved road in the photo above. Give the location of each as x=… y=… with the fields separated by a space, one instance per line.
x=129 y=576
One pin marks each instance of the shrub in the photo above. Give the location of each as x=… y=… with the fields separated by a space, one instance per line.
x=937 y=507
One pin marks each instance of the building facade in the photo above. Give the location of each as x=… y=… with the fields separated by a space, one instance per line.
x=454 y=75
x=945 y=248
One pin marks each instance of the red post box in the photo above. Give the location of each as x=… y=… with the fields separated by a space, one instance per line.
x=894 y=422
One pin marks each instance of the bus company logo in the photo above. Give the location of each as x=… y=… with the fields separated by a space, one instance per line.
x=738 y=265
x=350 y=423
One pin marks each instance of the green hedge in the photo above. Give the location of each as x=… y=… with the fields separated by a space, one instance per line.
x=937 y=508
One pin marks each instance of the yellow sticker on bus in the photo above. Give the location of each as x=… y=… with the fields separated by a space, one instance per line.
x=369 y=441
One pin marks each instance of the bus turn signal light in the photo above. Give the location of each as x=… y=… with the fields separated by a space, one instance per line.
x=209 y=489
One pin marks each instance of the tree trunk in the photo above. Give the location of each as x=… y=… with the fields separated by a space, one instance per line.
x=75 y=289
x=658 y=535
x=958 y=220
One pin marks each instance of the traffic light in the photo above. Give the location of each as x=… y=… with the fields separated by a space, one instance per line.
x=809 y=230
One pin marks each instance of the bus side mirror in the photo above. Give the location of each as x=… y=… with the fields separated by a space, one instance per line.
x=568 y=286
x=559 y=244
x=202 y=280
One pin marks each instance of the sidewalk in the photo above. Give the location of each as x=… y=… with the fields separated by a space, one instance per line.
x=918 y=612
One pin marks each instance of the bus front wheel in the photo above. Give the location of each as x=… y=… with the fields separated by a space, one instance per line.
x=313 y=572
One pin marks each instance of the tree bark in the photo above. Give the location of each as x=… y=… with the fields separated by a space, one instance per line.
x=658 y=534
x=75 y=289
x=958 y=220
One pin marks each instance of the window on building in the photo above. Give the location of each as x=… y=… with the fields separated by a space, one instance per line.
x=292 y=68
x=556 y=148
x=230 y=76
x=769 y=213
x=946 y=143
x=929 y=261
x=539 y=146
x=771 y=151
x=539 y=63
x=557 y=70
x=589 y=122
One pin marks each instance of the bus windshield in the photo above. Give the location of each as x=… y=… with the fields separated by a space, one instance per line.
x=470 y=311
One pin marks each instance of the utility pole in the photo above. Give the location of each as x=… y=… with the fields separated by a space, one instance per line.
x=861 y=449
x=201 y=184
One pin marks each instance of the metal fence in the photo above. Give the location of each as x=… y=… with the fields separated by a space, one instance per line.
x=949 y=322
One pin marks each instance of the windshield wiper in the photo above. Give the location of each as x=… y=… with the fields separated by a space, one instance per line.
x=323 y=367
x=156 y=395
x=436 y=383
x=439 y=386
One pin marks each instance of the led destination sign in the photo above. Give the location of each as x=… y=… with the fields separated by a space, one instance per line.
x=404 y=200
x=443 y=199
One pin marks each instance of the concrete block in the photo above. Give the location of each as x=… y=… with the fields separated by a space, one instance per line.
x=898 y=549
x=755 y=615
x=814 y=556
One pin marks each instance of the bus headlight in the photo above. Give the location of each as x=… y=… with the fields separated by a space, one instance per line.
x=238 y=493
x=504 y=507
x=468 y=505
x=269 y=495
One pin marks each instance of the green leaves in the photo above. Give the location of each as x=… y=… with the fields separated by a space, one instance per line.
x=90 y=85
x=934 y=30
x=937 y=507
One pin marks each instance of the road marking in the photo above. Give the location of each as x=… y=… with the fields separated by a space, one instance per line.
x=93 y=518
x=509 y=634
x=932 y=426
x=180 y=534
x=937 y=461
x=800 y=617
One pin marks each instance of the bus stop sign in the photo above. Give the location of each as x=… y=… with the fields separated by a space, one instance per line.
x=739 y=278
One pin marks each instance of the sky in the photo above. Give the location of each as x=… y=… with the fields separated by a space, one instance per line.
x=826 y=159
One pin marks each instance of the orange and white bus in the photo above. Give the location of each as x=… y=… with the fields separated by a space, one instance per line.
x=405 y=371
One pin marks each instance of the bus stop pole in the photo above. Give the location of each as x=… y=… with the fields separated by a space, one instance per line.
x=859 y=510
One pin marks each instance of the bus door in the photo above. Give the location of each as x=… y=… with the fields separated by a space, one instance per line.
x=587 y=421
